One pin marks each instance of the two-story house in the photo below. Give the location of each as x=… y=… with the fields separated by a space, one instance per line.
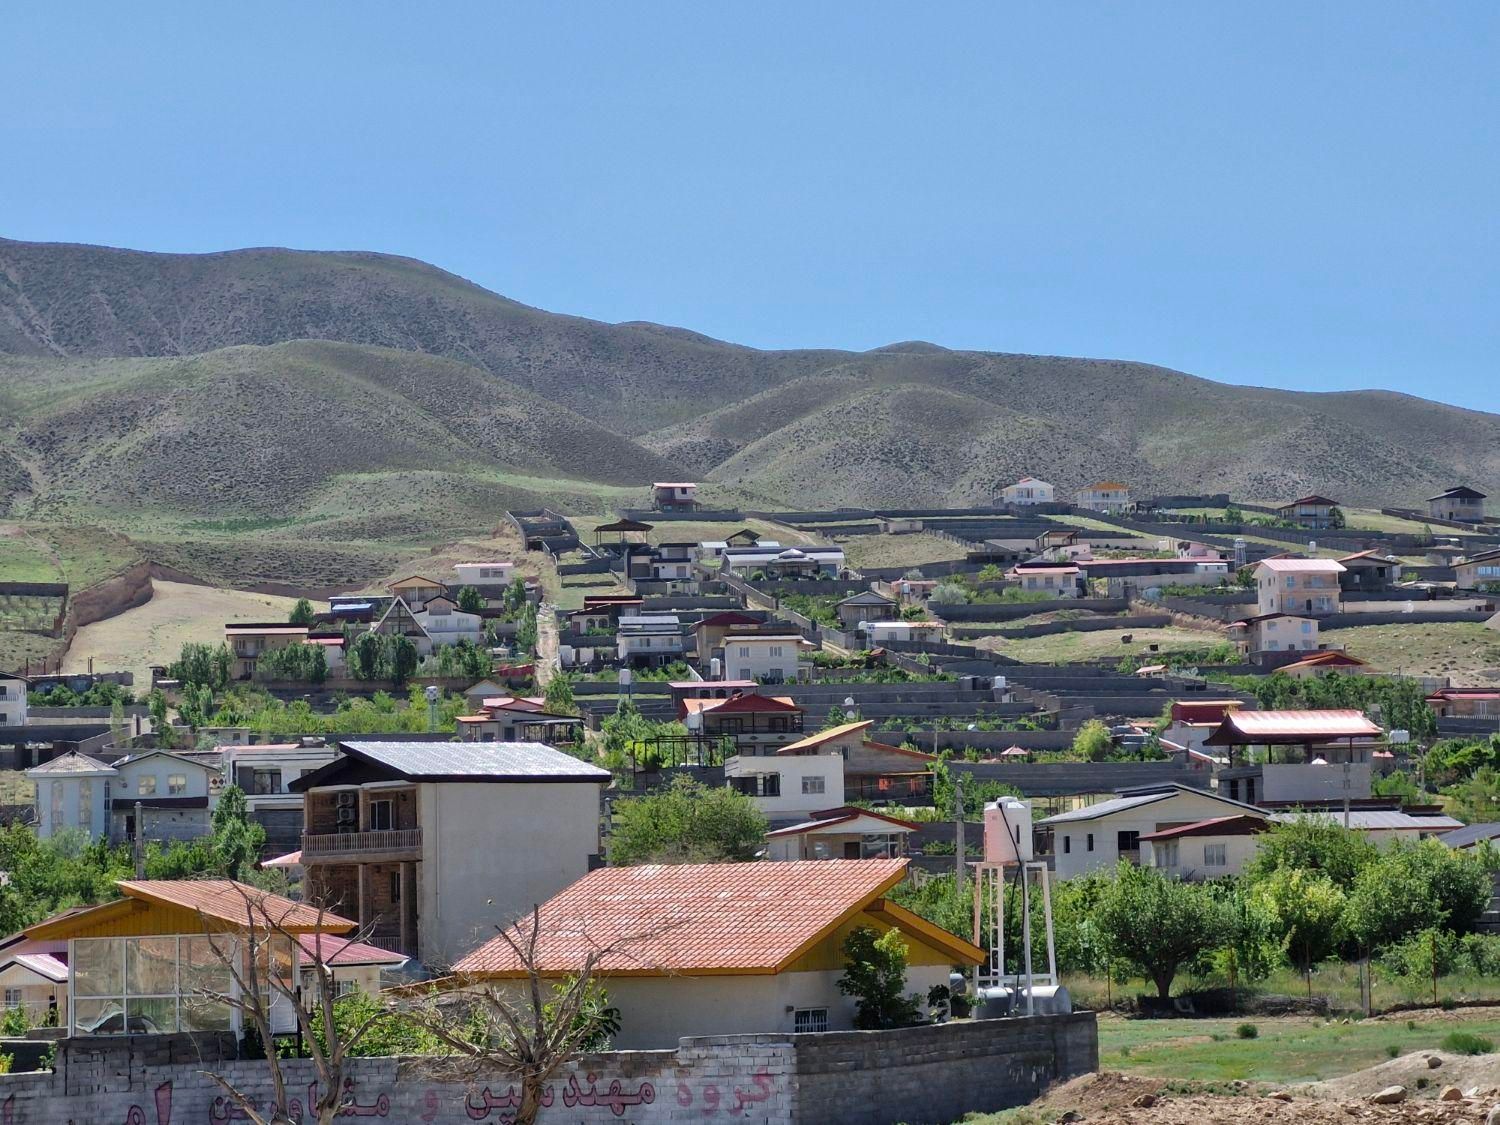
x=508 y=718
x=1053 y=581
x=491 y=579
x=744 y=717
x=1275 y=632
x=13 y=690
x=416 y=591
x=433 y=844
x=173 y=792
x=1369 y=571
x=1103 y=496
x=646 y=640
x=72 y=792
x=1313 y=512
x=767 y=658
x=674 y=496
x=1028 y=490
x=864 y=607
x=248 y=641
x=1462 y=504
x=446 y=624
x=1305 y=587
x=673 y=562
x=264 y=771
x=1479 y=571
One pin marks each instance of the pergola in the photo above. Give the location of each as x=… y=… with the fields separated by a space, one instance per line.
x=621 y=528
x=1306 y=729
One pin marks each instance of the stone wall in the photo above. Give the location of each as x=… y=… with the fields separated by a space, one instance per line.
x=930 y=1074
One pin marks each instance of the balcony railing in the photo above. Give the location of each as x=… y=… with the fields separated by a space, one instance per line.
x=340 y=843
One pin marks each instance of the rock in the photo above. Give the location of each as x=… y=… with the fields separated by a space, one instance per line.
x=1280 y=1095
x=1391 y=1095
x=1433 y=1062
x=1493 y=1118
x=1450 y=1094
x=1071 y=1115
x=1144 y=1101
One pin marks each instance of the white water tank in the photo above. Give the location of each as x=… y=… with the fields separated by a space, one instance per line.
x=1007 y=831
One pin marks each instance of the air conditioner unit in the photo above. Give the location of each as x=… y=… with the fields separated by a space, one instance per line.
x=347 y=799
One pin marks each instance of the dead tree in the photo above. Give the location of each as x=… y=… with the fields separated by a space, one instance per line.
x=251 y=960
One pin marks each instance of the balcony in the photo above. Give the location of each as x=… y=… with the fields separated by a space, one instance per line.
x=390 y=844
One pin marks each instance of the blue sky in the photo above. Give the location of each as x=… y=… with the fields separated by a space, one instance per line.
x=1281 y=194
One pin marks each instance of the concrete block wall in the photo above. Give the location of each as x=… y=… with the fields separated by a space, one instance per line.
x=915 y=1075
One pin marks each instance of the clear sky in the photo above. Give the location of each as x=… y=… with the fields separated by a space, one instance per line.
x=1289 y=194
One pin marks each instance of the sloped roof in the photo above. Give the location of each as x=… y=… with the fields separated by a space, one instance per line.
x=72 y=763
x=47 y=965
x=1140 y=800
x=1313 y=499
x=1241 y=727
x=1303 y=566
x=342 y=952
x=718 y=918
x=463 y=761
x=222 y=900
x=1241 y=824
x=742 y=703
x=813 y=741
x=1462 y=492
x=843 y=817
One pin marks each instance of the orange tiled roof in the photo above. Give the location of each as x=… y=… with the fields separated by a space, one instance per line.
x=813 y=741
x=696 y=918
x=222 y=900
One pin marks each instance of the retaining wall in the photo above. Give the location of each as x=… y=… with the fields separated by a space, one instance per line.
x=918 y=1075
x=1013 y=611
x=1078 y=625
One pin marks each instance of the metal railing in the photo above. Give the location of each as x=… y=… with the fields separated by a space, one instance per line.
x=390 y=840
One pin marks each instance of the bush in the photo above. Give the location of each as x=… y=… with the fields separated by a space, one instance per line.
x=1392 y=1051
x=1467 y=1043
x=1247 y=1031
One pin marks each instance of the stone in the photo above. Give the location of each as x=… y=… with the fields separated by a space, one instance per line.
x=1280 y=1095
x=1433 y=1062
x=1391 y=1095
x=1493 y=1117
x=1144 y=1101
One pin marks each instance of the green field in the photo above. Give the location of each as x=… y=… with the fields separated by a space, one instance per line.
x=1069 y=648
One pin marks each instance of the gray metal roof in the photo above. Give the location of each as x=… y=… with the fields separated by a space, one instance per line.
x=1379 y=818
x=499 y=761
x=1471 y=834
x=1138 y=800
x=73 y=762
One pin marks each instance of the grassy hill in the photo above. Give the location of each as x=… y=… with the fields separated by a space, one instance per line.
x=340 y=399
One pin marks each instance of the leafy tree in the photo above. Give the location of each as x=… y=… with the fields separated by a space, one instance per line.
x=1317 y=843
x=364 y=656
x=157 y=702
x=558 y=697
x=1158 y=924
x=526 y=629
x=1455 y=759
x=237 y=840
x=687 y=823
x=202 y=665
x=1477 y=799
x=470 y=600
x=1308 y=908
x=1398 y=783
x=875 y=975
x=1415 y=887
x=302 y=613
x=302 y=662
x=1093 y=743
x=403 y=659
x=515 y=598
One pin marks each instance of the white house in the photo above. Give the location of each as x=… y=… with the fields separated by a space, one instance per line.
x=1028 y=490
x=649 y=638
x=841 y=833
x=1053 y=581
x=72 y=792
x=489 y=578
x=1207 y=849
x=1104 y=496
x=884 y=632
x=175 y=793
x=13 y=700
x=430 y=845
x=1302 y=586
x=765 y=658
x=265 y=772
x=446 y=624
x=1098 y=836
x=725 y=948
x=1276 y=632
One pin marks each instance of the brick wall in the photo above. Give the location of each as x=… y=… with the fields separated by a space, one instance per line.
x=917 y=1075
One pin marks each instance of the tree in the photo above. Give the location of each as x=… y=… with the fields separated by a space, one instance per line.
x=1093 y=743
x=258 y=961
x=403 y=659
x=875 y=975
x=687 y=823
x=1308 y=908
x=236 y=840
x=558 y=698
x=160 y=725
x=302 y=613
x=1313 y=843
x=470 y=600
x=526 y=629
x=1158 y=924
x=1476 y=800
x=202 y=665
x=1415 y=887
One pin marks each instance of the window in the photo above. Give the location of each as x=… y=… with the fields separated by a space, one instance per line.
x=263 y=782
x=776 y=723
x=731 y=725
x=57 y=805
x=744 y=652
x=1128 y=841
x=1167 y=852
x=758 y=784
x=395 y=886
x=381 y=818
x=177 y=784
x=1090 y=842
x=1067 y=845
x=776 y=652
x=1213 y=855
x=145 y=786
x=342 y=988
x=805 y=1020
x=86 y=803
x=12 y=997
x=812 y=785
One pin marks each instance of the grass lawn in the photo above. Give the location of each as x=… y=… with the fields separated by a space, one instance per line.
x=899 y=550
x=1089 y=523
x=25 y=559
x=1372 y=519
x=1467 y=651
x=1068 y=648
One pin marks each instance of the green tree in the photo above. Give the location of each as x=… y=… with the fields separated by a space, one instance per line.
x=1476 y=800
x=202 y=665
x=558 y=698
x=1158 y=924
x=160 y=725
x=302 y=613
x=1093 y=743
x=687 y=823
x=237 y=840
x=1455 y=759
x=1415 y=887
x=366 y=655
x=1315 y=843
x=875 y=975
x=1308 y=908
x=470 y=600
x=526 y=629
x=403 y=659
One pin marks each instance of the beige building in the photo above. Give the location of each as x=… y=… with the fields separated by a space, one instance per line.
x=1028 y=490
x=1307 y=587
x=1206 y=849
x=249 y=642
x=1462 y=504
x=1103 y=496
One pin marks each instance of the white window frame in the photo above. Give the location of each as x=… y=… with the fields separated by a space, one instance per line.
x=809 y=1021
x=1215 y=855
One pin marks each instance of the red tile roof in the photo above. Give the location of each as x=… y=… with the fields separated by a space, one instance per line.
x=1241 y=727
x=341 y=952
x=727 y=918
x=1242 y=825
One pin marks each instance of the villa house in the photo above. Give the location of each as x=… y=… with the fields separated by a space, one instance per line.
x=1053 y=581
x=1313 y=512
x=842 y=833
x=1308 y=587
x=768 y=658
x=1369 y=571
x=1480 y=571
x=445 y=624
x=399 y=620
x=248 y=642
x=1465 y=703
x=864 y=607
x=1322 y=663
x=905 y=632
x=841 y=763
x=1304 y=756
x=431 y=844
x=674 y=496
x=13 y=691
x=1105 y=496
x=710 y=631
x=1462 y=504
x=175 y=794
x=649 y=639
x=491 y=579
x=673 y=562
x=1028 y=490
x=1275 y=632
x=783 y=564
x=518 y=719
x=745 y=717
x=34 y=979
x=725 y=948
x=416 y=591
x=1205 y=849
x=72 y=792
x=264 y=772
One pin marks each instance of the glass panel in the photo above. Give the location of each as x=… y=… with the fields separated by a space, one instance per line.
x=200 y=1014
x=99 y=968
x=202 y=970
x=151 y=966
x=151 y=1014
x=98 y=1017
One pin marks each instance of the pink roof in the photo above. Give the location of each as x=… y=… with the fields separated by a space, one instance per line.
x=846 y=816
x=683 y=684
x=1046 y=570
x=1248 y=726
x=1303 y=566
x=1015 y=752
x=338 y=951
x=291 y=859
x=44 y=964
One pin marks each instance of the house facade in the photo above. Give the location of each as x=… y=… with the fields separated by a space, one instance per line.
x=1313 y=512
x=765 y=658
x=491 y=579
x=649 y=639
x=1276 y=632
x=841 y=833
x=1307 y=587
x=1460 y=505
x=674 y=496
x=249 y=641
x=1480 y=571
x=13 y=706
x=430 y=845
x=264 y=772
x=1207 y=849
x=1104 y=496
x=1028 y=490
x=73 y=793
x=1051 y=581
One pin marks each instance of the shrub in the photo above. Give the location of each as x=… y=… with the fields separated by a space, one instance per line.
x=1392 y=1051
x=1247 y=1031
x=1467 y=1043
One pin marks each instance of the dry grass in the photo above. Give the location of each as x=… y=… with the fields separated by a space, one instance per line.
x=899 y=550
x=1068 y=648
x=155 y=632
x=1468 y=652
